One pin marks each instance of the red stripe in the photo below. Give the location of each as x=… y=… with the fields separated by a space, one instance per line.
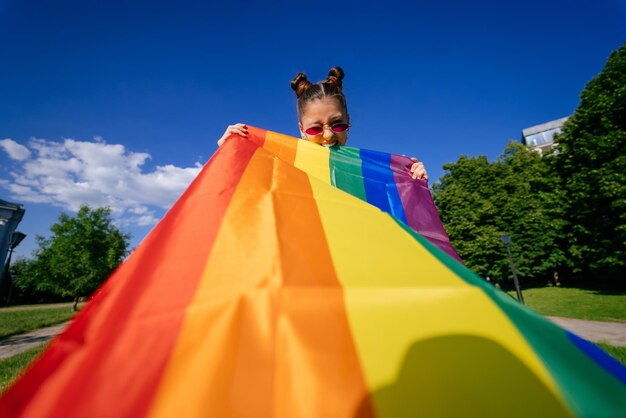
x=123 y=338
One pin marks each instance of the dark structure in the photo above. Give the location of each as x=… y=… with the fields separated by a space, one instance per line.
x=10 y=216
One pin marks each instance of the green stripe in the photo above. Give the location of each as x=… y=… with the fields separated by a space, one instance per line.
x=588 y=389
x=346 y=172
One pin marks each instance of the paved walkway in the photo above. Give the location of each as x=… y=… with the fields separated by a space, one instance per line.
x=613 y=333
x=18 y=343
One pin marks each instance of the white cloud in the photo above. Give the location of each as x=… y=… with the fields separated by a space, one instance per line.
x=69 y=173
x=16 y=151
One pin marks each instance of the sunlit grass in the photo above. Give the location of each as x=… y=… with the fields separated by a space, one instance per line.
x=577 y=303
x=12 y=367
x=21 y=319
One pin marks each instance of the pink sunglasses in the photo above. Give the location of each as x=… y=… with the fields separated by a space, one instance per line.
x=337 y=127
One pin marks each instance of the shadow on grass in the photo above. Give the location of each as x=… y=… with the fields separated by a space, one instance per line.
x=26 y=339
x=605 y=289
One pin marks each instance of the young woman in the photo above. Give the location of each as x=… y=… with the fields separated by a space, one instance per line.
x=322 y=114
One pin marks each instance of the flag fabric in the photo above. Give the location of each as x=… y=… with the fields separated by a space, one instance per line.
x=293 y=280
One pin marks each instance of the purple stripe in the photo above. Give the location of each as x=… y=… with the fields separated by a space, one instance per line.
x=419 y=207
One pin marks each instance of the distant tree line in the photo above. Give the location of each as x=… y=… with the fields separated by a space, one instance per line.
x=565 y=210
x=82 y=251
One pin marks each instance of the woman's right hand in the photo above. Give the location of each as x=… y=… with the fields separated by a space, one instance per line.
x=238 y=128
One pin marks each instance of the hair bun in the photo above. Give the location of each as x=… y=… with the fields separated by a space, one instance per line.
x=300 y=84
x=335 y=76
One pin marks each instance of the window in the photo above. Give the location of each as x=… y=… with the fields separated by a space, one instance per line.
x=548 y=136
x=534 y=140
x=542 y=138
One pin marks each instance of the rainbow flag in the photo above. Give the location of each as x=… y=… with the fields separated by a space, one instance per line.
x=267 y=292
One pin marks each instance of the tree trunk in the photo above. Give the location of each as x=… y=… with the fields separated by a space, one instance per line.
x=75 y=305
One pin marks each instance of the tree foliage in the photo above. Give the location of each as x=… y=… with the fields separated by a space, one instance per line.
x=592 y=167
x=24 y=289
x=81 y=253
x=479 y=201
x=564 y=211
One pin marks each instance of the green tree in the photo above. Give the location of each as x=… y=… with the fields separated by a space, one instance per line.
x=516 y=195
x=81 y=253
x=592 y=167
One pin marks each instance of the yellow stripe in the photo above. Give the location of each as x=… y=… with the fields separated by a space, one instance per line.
x=426 y=339
x=314 y=160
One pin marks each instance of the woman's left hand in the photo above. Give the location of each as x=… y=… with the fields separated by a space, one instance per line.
x=418 y=171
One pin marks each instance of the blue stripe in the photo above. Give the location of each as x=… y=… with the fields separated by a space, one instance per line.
x=601 y=358
x=380 y=186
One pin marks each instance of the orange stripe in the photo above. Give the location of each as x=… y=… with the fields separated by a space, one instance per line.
x=267 y=333
x=110 y=360
x=283 y=146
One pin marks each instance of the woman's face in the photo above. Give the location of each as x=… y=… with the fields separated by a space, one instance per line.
x=324 y=113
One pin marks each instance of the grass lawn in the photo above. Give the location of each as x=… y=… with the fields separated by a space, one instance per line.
x=17 y=321
x=11 y=367
x=576 y=303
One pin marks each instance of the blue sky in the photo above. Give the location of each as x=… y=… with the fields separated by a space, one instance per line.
x=120 y=103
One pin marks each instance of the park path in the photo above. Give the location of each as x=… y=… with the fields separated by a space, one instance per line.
x=16 y=344
x=613 y=333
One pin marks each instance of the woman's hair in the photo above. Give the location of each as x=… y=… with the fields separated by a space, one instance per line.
x=307 y=91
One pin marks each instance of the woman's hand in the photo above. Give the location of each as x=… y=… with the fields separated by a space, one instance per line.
x=418 y=171
x=238 y=128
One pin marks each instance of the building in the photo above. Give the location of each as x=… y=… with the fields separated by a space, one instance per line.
x=10 y=216
x=541 y=137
